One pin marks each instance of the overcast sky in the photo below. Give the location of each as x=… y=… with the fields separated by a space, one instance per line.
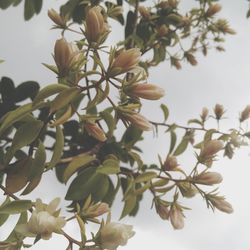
x=219 y=78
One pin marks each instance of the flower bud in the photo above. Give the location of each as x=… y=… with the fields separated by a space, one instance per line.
x=245 y=114
x=210 y=149
x=56 y=18
x=145 y=13
x=146 y=91
x=170 y=163
x=125 y=61
x=208 y=178
x=221 y=204
x=138 y=121
x=204 y=114
x=113 y=235
x=162 y=210
x=94 y=130
x=95 y=24
x=65 y=55
x=176 y=217
x=190 y=58
x=97 y=209
x=213 y=9
x=175 y=62
x=218 y=111
x=162 y=30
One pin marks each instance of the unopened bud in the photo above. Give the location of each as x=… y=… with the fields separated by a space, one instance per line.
x=162 y=30
x=190 y=58
x=175 y=62
x=204 y=114
x=218 y=111
x=221 y=204
x=97 y=209
x=223 y=26
x=146 y=91
x=138 y=121
x=176 y=217
x=56 y=18
x=245 y=114
x=210 y=149
x=170 y=163
x=95 y=24
x=163 y=211
x=208 y=178
x=125 y=61
x=173 y=3
x=145 y=13
x=213 y=9
x=65 y=55
x=94 y=130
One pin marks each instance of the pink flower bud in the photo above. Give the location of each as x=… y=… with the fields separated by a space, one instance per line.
x=146 y=91
x=94 y=130
x=213 y=9
x=204 y=114
x=176 y=217
x=221 y=204
x=208 y=178
x=163 y=211
x=125 y=61
x=170 y=163
x=56 y=18
x=245 y=114
x=210 y=149
x=97 y=209
x=65 y=55
x=219 y=111
x=95 y=24
x=138 y=121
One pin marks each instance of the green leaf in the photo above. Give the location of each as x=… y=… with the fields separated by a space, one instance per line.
x=173 y=139
x=13 y=116
x=24 y=135
x=58 y=149
x=29 y=9
x=49 y=91
x=1 y=60
x=16 y=207
x=38 y=6
x=109 y=166
x=110 y=121
x=165 y=110
x=248 y=13
x=88 y=182
x=195 y=121
x=32 y=185
x=77 y=163
x=129 y=205
x=209 y=134
x=4 y=217
x=17 y=175
x=144 y=177
x=181 y=147
x=112 y=191
x=38 y=163
x=26 y=90
x=64 y=98
x=4 y=4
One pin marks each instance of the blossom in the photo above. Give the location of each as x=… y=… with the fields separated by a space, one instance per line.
x=218 y=111
x=245 y=114
x=163 y=211
x=146 y=91
x=213 y=9
x=204 y=114
x=43 y=221
x=125 y=61
x=114 y=234
x=95 y=24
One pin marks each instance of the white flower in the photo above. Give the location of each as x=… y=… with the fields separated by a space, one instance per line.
x=115 y=234
x=43 y=221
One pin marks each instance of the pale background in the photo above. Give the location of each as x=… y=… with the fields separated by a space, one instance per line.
x=219 y=78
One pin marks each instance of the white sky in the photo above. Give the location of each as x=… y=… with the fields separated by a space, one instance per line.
x=219 y=78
